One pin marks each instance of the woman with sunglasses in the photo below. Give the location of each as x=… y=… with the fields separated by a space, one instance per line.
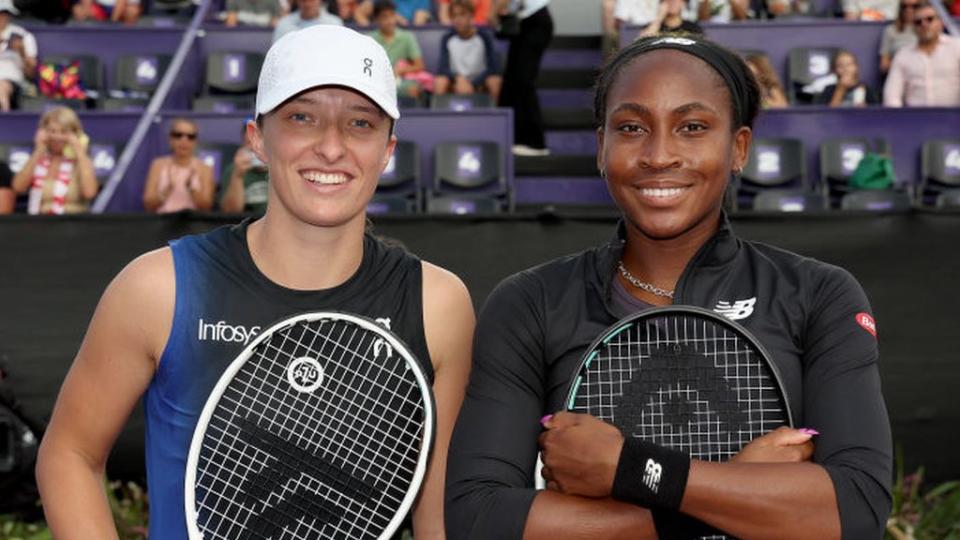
x=179 y=181
x=898 y=34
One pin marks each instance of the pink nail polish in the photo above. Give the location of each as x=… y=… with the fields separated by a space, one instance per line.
x=809 y=431
x=545 y=419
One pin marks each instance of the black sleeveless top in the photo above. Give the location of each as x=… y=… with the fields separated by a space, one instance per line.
x=222 y=303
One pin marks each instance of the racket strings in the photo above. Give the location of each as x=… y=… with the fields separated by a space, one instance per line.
x=361 y=409
x=685 y=382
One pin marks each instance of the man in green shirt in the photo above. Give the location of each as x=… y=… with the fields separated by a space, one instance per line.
x=243 y=182
x=402 y=49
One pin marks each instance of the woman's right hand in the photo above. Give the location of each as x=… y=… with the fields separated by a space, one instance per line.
x=242 y=160
x=40 y=141
x=782 y=445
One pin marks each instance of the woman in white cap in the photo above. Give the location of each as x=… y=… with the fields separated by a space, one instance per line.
x=324 y=128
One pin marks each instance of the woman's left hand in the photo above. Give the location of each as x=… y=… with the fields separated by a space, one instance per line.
x=782 y=445
x=73 y=141
x=580 y=454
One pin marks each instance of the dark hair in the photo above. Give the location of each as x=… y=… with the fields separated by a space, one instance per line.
x=839 y=53
x=465 y=4
x=383 y=5
x=737 y=77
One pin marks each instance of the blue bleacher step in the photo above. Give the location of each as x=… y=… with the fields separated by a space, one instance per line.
x=576 y=78
x=568 y=118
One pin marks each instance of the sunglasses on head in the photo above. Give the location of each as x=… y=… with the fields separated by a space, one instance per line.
x=182 y=134
x=924 y=20
x=908 y=6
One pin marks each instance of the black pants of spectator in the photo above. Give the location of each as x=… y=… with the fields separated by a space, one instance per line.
x=520 y=78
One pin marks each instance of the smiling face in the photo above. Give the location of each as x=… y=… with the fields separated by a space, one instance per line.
x=57 y=136
x=845 y=66
x=668 y=144
x=183 y=139
x=325 y=149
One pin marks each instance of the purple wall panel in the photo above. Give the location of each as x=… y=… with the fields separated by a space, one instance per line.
x=904 y=129
x=562 y=190
x=108 y=42
x=777 y=38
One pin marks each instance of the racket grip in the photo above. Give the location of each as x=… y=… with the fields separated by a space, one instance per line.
x=650 y=475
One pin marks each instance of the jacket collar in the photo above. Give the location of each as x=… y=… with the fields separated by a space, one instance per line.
x=720 y=249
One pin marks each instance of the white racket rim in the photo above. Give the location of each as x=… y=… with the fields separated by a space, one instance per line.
x=190 y=478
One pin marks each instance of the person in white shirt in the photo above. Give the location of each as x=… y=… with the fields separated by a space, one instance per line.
x=311 y=12
x=928 y=73
x=18 y=56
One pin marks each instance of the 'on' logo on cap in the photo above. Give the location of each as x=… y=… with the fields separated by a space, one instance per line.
x=368 y=66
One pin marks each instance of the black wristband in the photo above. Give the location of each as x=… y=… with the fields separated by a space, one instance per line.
x=650 y=475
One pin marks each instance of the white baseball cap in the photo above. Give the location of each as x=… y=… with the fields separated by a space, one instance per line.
x=323 y=55
x=7 y=5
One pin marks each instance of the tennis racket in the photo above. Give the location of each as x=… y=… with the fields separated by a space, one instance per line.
x=321 y=428
x=682 y=377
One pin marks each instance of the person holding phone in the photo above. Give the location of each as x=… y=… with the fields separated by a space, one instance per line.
x=245 y=181
x=59 y=174
x=18 y=56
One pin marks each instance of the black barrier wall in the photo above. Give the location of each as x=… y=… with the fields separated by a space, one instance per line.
x=53 y=270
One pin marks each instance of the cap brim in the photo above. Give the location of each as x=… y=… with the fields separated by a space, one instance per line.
x=289 y=89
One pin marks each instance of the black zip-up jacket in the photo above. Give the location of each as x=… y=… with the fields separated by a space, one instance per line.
x=812 y=317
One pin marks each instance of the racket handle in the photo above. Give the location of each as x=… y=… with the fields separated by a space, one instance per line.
x=650 y=475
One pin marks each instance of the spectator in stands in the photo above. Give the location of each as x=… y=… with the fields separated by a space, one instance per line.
x=720 y=11
x=245 y=181
x=481 y=12
x=635 y=12
x=898 y=34
x=849 y=90
x=309 y=13
x=18 y=56
x=781 y=8
x=413 y=12
x=402 y=49
x=352 y=11
x=926 y=74
x=125 y=11
x=179 y=181
x=59 y=174
x=608 y=25
x=670 y=21
x=527 y=47
x=253 y=12
x=772 y=95
x=8 y=198
x=468 y=61
x=870 y=10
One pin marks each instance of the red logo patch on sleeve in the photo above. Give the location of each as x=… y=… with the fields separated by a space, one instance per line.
x=867 y=322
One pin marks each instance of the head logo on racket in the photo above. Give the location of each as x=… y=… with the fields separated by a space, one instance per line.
x=305 y=374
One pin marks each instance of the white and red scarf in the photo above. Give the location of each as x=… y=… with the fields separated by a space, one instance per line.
x=60 y=187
